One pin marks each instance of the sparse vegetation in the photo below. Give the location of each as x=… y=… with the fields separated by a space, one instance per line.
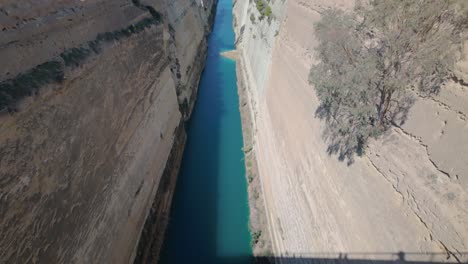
x=372 y=59
x=248 y=149
x=28 y=83
x=252 y=18
x=250 y=178
x=256 y=236
x=256 y=194
x=267 y=11
x=264 y=9
x=74 y=55
x=260 y=4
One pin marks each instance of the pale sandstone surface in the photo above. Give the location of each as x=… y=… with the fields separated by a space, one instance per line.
x=407 y=194
x=81 y=160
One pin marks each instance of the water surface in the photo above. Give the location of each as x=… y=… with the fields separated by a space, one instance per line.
x=209 y=218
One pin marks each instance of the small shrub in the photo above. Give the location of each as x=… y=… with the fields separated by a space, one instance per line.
x=250 y=178
x=256 y=194
x=260 y=4
x=267 y=11
x=256 y=237
x=248 y=149
x=264 y=9
x=252 y=18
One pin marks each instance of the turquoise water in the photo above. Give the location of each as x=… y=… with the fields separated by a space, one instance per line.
x=209 y=218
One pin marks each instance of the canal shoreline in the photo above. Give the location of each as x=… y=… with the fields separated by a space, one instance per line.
x=258 y=222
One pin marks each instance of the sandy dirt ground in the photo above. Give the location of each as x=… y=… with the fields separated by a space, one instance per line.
x=230 y=54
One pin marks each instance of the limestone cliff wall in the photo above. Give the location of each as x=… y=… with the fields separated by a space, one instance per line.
x=90 y=109
x=257 y=38
x=408 y=193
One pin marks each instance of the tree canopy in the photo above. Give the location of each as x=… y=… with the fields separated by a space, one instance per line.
x=371 y=60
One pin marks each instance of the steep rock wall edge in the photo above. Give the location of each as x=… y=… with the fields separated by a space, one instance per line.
x=92 y=115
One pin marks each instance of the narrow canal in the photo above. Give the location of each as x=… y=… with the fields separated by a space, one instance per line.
x=209 y=218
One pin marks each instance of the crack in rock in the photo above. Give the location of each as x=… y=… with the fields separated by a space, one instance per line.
x=426 y=147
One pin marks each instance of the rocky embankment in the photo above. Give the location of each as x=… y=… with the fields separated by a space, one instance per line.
x=93 y=98
x=407 y=194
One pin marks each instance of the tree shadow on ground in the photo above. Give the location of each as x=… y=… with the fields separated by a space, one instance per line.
x=345 y=144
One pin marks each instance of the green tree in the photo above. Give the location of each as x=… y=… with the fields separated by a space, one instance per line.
x=264 y=9
x=370 y=60
x=260 y=5
x=268 y=11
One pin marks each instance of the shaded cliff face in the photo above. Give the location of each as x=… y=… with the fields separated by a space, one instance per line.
x=407 y=194
x=90 y=101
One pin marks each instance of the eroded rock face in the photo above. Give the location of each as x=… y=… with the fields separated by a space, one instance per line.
x=90 y=109
x=407 y=194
